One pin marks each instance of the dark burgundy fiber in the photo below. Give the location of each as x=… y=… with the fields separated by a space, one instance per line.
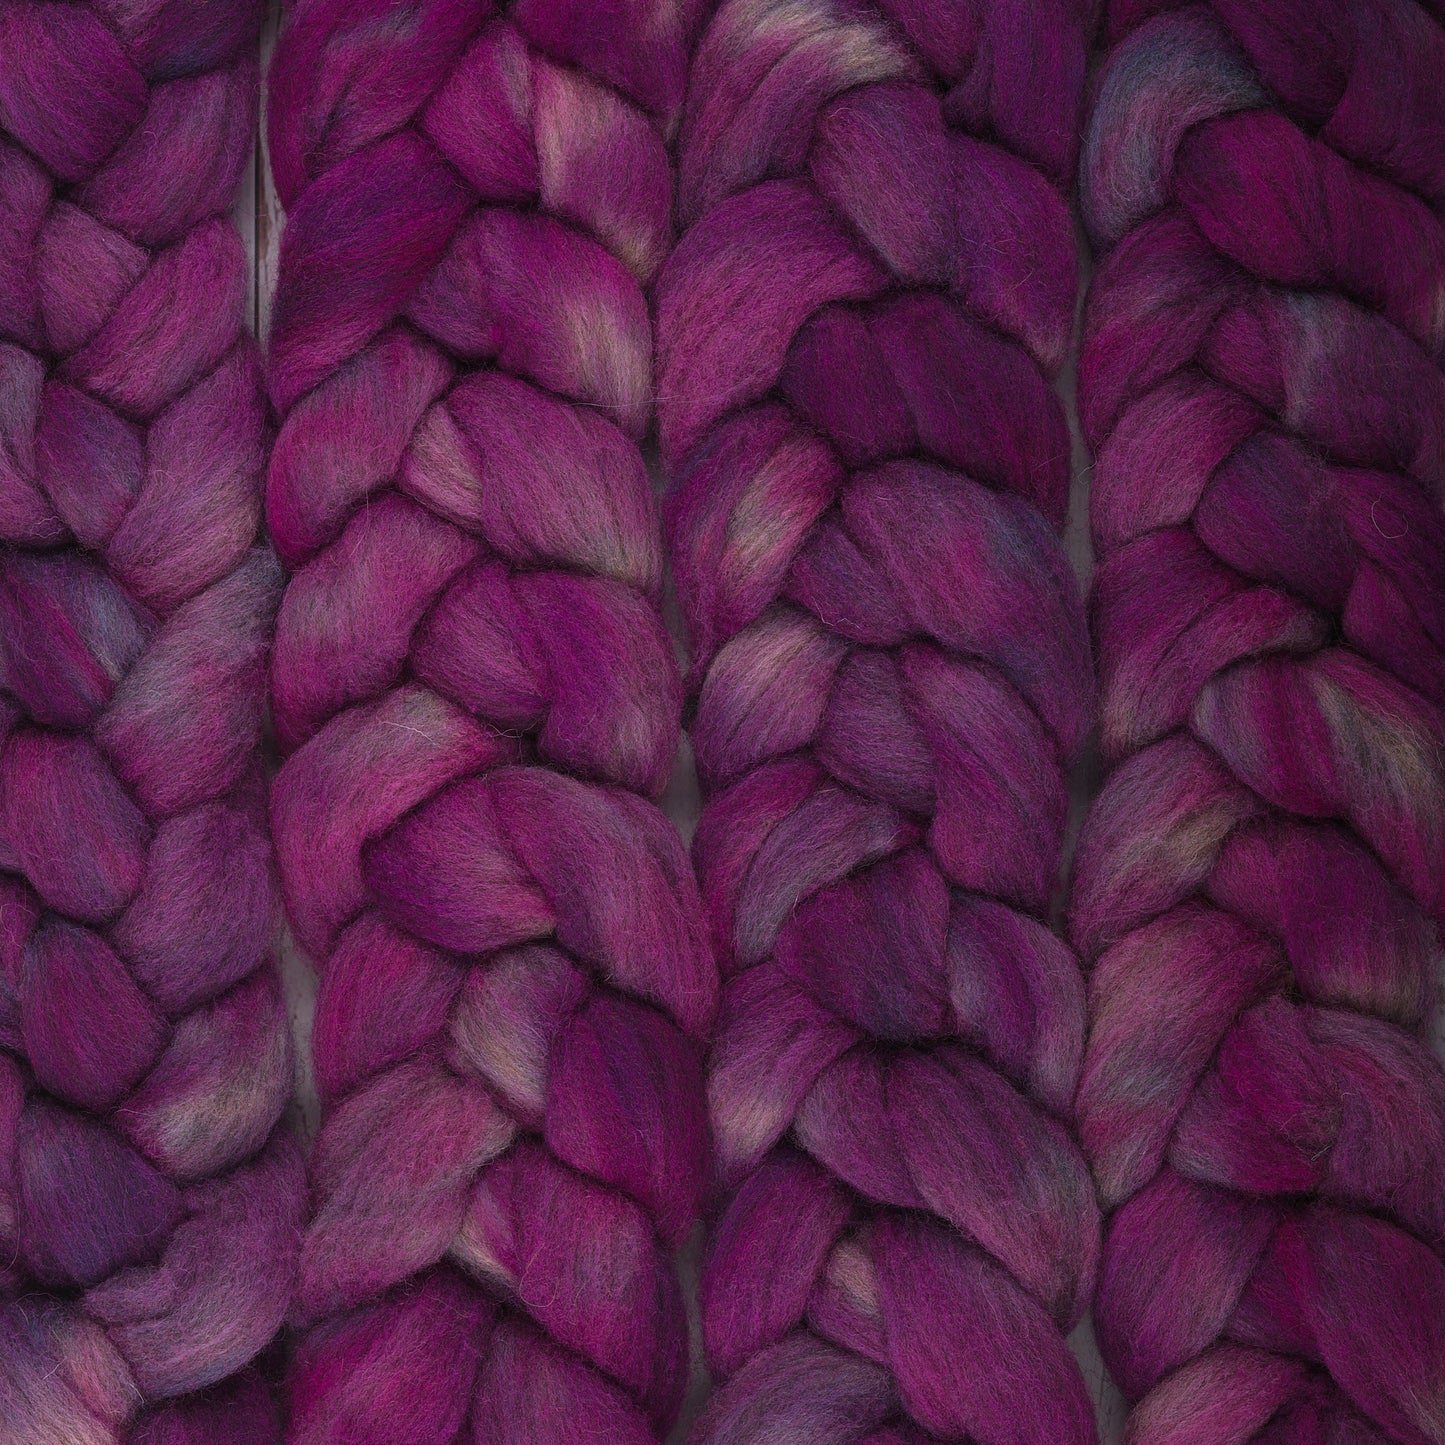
x=1261 y=885
x=149 y=1215
x=479 y=699
x=858 y=330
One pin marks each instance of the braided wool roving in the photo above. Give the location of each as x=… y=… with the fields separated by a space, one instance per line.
x=472 y=670
x=857 y=333
x=149 y=1215
x=1261 y=883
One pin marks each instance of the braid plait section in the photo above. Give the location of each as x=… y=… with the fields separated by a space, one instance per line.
x=150 y=1210
x=481 y=698
x=857 y=332
x=1261 y=883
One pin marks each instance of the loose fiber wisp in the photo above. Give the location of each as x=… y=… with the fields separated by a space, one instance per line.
x=1261 y=883
x=480 y=698
x=857 y=332
x=149 y=1215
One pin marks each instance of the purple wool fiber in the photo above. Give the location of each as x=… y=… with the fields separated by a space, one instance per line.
x=150 y=1210
x=480 y=700
x=858 y=330
x=1260 y=887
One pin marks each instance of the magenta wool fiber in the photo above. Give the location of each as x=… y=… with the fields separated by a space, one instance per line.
x=480 y=699
x=149 y=1214
x=857 y=332
x=1261 y=883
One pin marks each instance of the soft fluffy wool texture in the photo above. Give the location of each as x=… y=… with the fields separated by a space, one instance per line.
x=1261 y=883
x=149 y=1216
x=474 y=676
x=857 y=333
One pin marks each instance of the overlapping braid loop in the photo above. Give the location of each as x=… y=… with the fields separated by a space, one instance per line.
x=473 y=672
x=1261 y=883
x=857 y=332
x=149 y=1215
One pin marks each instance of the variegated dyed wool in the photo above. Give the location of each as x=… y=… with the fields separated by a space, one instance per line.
x=858 y=331
x=149 y=1215
x=1261 y=884
x=479 y=697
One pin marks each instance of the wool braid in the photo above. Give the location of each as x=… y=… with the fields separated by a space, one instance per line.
x=481 y=699
x=150 y=1211
x=149 y=1215
x=1261 y=884
x=858 y=330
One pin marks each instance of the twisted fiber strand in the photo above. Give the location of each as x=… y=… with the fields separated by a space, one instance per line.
x=857 y=333
x=149 y=1214
x=472 y=670
x=1261 y=883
